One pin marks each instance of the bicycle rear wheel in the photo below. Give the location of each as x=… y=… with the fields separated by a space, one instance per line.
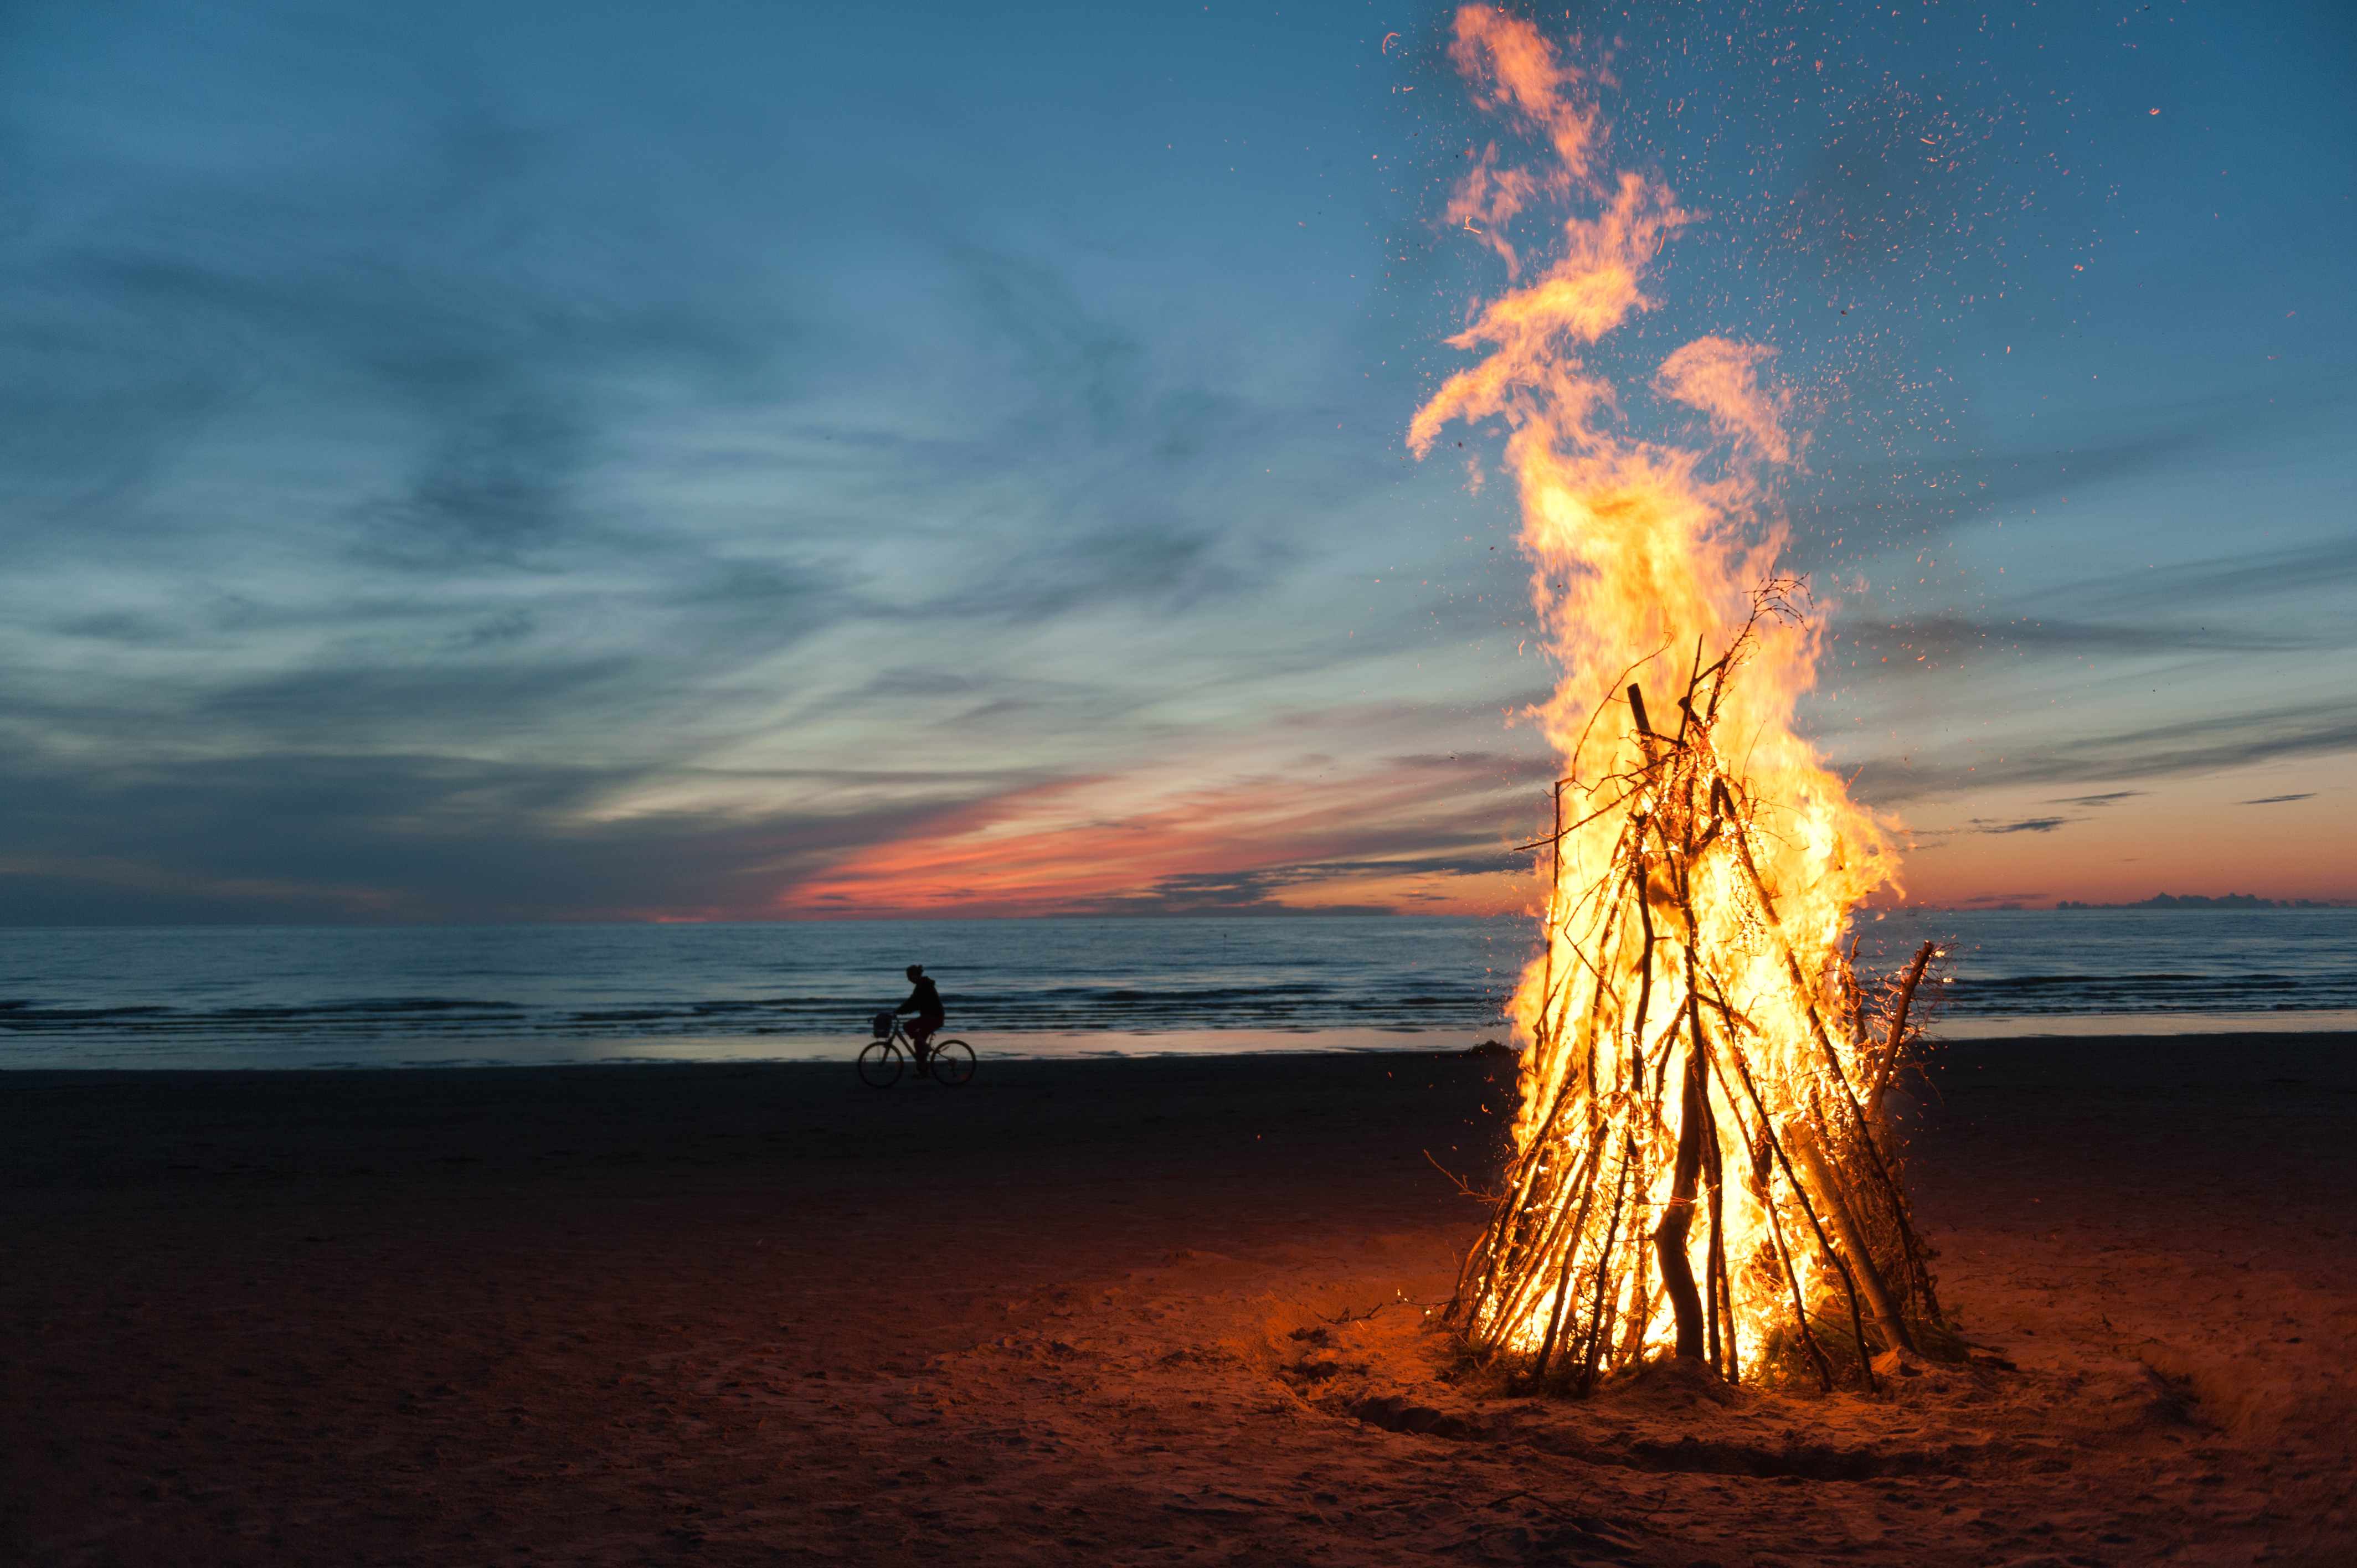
x=953 y=1061
x=880 y=1065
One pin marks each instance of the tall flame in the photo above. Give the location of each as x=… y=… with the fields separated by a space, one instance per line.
x=1688 y=1017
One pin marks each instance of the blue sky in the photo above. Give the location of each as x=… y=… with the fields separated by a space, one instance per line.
x=732 y=461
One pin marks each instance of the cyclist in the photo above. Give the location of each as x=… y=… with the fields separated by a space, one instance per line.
x=925 y=1002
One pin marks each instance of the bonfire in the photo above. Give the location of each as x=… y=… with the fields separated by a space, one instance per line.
x=1701 y=1168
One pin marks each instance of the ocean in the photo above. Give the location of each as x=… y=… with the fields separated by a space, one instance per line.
x=330 y=996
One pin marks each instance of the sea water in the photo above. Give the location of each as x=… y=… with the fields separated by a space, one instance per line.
x=2126 y=962
x=361 y=995
x=384 y=995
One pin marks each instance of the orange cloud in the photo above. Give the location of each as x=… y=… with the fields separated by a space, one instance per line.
x=1409 y=834
x=2275 y=830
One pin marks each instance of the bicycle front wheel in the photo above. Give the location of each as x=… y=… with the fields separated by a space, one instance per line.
x=953 y=1061
x=880 y=1065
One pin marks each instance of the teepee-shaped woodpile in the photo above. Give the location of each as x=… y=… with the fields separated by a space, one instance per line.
x=1701 y=1166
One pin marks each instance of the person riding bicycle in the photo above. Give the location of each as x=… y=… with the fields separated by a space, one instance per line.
x=925 y=1002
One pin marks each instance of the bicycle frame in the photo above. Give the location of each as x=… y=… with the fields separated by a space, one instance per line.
x=949 y=1060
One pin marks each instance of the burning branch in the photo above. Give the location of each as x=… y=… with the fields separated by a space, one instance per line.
x=1900 y=1001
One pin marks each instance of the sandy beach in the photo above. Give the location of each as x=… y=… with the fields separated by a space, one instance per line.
x=1146 y=1311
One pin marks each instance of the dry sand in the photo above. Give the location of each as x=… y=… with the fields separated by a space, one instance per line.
x=1154 y=1311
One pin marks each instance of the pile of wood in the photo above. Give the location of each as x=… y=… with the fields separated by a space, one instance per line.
x=1703 y=1167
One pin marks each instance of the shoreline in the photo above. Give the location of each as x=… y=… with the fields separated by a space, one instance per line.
x=1046 y=1044
x=749 y=1049
x=2119 y=1025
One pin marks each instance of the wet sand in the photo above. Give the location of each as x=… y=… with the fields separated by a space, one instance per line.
x=1147 y=1311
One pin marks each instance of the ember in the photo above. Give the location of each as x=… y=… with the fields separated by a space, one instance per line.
x=1700 y=1166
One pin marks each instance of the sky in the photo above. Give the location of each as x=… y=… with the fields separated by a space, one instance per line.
x=585 y=461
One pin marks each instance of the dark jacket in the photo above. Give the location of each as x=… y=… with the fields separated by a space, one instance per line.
x=924 y=1001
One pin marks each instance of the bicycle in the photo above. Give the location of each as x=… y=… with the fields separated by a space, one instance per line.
x=945 y=1061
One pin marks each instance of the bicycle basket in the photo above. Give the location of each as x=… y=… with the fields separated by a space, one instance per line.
x=882 y=1025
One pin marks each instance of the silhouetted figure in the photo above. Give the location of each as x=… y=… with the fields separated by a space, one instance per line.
x=925 y=1002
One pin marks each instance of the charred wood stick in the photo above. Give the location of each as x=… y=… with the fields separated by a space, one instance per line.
x=1545 y=1136
x=1817 y=1357
x=1490 y=1254
x=1644 y=973
x=1554 y=1315
x=1722 y=814
x=1570 y=1259
x=1535 y=1153
x=1556 y=841
x=1758 y=1182
x=1688 y=719
x=1693 y=681
x=1637 y=705
x=1918 y=1274
x=1849 y=1279
x=1563 y=1097
x=1896 y=1035
x=1473 y=1289
x=1808 y=1212
x=1579 y=748
x=1722 y=1301
x=1713 y=1295
x=1677 y=1221
x=1642 y=1296
x=1865 y=1278
x=1877 y=1294
x=1595 y=1350
x=1770 y=1152
x=1512 y=1306
x=1496 y=1245
x=1562 y=833
x=1801 y=988
x=1598 y=1323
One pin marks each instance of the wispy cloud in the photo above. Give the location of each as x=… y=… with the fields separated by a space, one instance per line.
x=2205 y=744
x=2249 y=604
x=1944 y=638
x=2097 y=451
x=2276 y=800
x=390 y=838
x=447 y=478
x=2204 y=596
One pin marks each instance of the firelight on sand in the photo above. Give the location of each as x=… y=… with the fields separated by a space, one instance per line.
x=1700 y=1168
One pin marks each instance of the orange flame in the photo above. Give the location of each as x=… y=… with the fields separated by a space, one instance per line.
x=1704 y=865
